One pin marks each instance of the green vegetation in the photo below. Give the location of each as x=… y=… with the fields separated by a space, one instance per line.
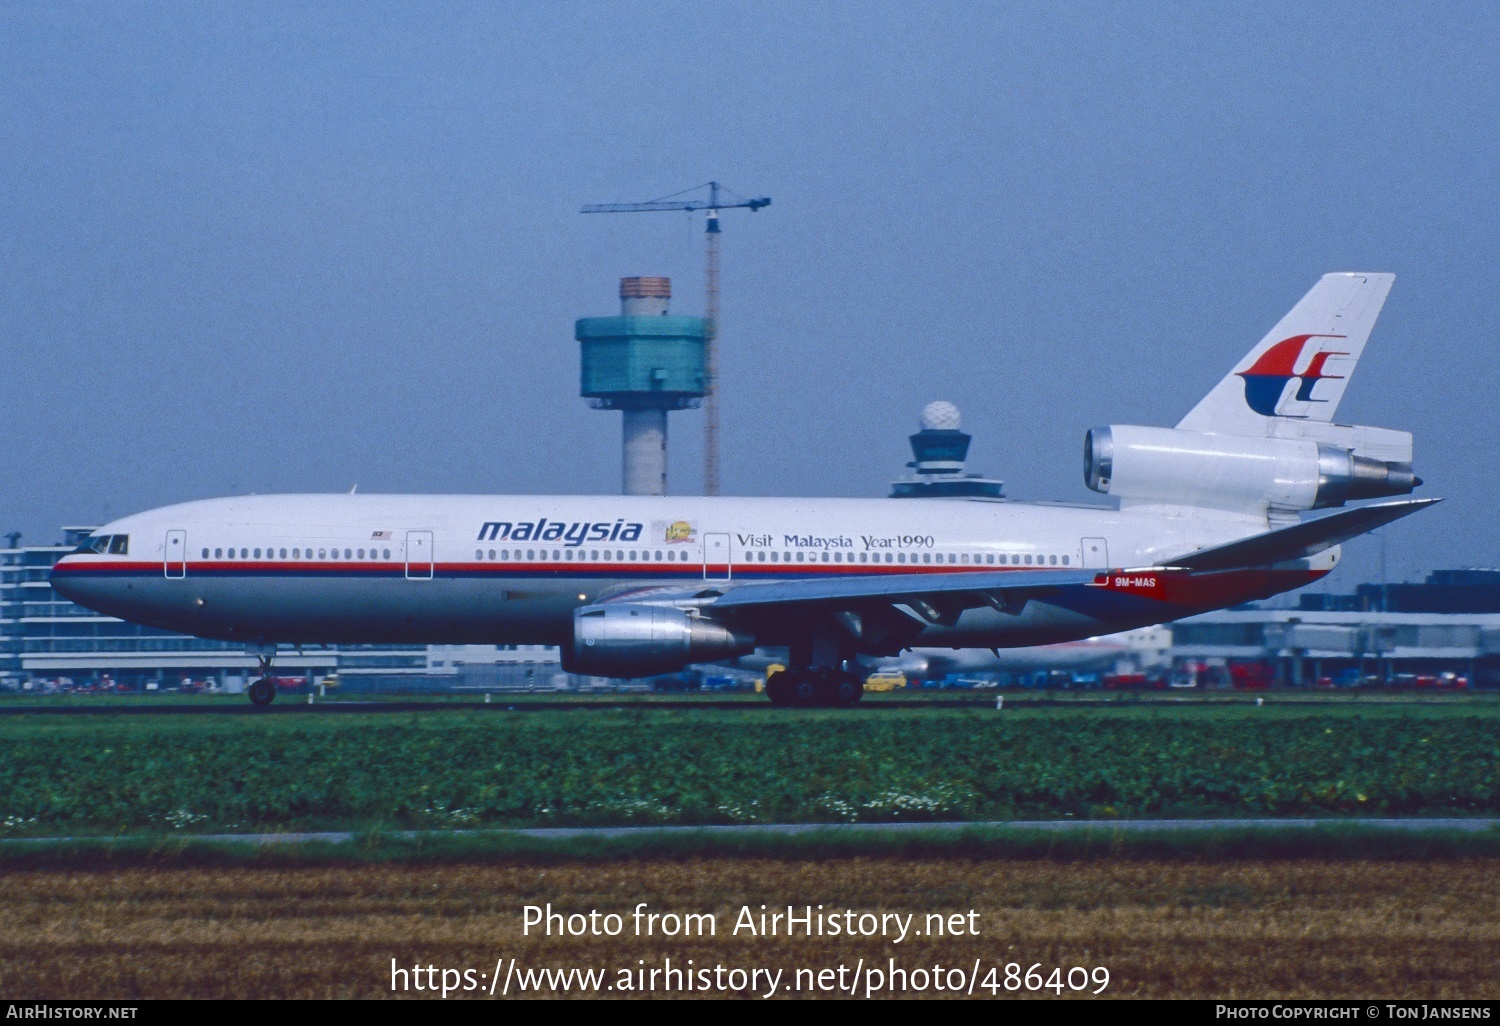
x=485 y=768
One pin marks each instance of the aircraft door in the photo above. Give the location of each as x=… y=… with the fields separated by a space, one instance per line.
x=1095 y=554
x=716 y=557
x=174 y=556
x=419 y=555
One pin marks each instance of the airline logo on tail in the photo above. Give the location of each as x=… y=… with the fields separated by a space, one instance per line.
x=1265 y=380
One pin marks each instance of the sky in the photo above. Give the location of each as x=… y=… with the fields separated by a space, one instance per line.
x=261 y=247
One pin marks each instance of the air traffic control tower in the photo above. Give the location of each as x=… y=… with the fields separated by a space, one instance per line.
x=940 y=449
x=643 y=363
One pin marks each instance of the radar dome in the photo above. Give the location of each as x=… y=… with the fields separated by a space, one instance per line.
x=940 y=416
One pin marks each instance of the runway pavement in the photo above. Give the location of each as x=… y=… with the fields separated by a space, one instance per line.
x=1474 y=825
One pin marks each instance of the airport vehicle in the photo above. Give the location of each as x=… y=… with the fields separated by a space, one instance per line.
x=884 y=681
x=1207 y=517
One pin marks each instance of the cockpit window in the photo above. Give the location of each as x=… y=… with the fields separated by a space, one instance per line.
x=113 y=544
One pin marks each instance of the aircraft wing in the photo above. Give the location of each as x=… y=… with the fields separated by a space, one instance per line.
x=1299 y=540
x=898 y=587
x=940 y=597
x=936 y=597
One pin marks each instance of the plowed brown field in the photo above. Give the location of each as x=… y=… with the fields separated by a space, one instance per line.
x=1169 y=929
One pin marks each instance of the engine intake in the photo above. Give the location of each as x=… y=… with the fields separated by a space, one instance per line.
x=642 y=641
x=1234 y=472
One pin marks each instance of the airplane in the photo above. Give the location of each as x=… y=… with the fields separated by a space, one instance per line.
x=1104 y=653
x=1207 y=516
x=1135 y=648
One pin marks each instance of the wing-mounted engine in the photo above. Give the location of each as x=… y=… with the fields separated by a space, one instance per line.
x=639 y=640
x=1317 y=467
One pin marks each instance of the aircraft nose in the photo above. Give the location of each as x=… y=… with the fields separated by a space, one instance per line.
x=67 y=584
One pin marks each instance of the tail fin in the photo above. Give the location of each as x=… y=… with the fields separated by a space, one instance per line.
x=1300 y=370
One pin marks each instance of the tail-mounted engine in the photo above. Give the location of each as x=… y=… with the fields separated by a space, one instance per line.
x=642 y=641
x=1168 y=466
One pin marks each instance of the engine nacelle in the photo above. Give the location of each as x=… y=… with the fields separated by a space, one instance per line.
x=642 y=641
x=1233 y=472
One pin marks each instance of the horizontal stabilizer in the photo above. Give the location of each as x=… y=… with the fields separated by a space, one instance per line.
x=1300 y=540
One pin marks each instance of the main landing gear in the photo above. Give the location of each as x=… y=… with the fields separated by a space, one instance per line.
x=263 y=690
x=811 y=687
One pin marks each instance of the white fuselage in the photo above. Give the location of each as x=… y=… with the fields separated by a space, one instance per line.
x=512 y=569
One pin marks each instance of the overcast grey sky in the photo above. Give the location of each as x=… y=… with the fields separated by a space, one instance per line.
x=255 y=247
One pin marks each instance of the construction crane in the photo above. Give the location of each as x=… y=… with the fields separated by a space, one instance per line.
x=713 y=205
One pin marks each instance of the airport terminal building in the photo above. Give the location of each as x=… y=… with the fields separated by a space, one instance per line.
x=1424 y=634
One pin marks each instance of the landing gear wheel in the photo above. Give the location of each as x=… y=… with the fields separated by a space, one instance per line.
x=825 y=684
x=262 y=692
x=779 y=688
x=806 y=691
x=848 y=689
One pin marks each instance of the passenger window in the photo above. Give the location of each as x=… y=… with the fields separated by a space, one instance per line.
x=964 y=558
x=606 y=555
x=360 y=553
x=205 y=553
x=492 y=553
x=1065 y=561
x=257 y=553
x=632 y=555
x=556 y=554
x=322 y=553
x=346 y=554
x=119 y=545
x=989 y=557
x=1028 y=559
x=1052 y=560
x=619 y=553
x=901 y=557
x=478 y=553
x=218 y=553
x=927 y=557
x=658 y=555
x=386 y=553
x=801 y=556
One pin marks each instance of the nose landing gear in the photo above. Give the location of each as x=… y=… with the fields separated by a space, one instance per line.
x=263 y=691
